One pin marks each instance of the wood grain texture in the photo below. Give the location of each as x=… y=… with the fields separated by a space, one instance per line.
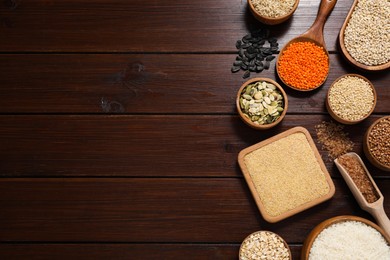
x=125 y=251
x=177 y=145
x=136 y=26
x=151 y=210
x=152 y=83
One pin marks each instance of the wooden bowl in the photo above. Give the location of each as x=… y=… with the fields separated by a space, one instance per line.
x=249 y=121
x=345 y=52
x=343 y=120
x=366 y=148
x=320 y=227
x=270 y=20
x=269 y=232
x=262 y=203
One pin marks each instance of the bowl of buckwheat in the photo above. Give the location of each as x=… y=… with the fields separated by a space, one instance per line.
x=264 y=245
x=351 y=98
x=376 y=143
x=261 y=103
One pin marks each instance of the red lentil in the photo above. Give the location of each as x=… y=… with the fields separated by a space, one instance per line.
x=303 y=65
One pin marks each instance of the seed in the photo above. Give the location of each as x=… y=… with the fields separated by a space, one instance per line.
x=269 y=58
x=238 y=44
x=235 y=68
x=237 y=63
x=246 y=74
x=266 y=64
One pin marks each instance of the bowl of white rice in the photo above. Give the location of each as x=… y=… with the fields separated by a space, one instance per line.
x=346 y=238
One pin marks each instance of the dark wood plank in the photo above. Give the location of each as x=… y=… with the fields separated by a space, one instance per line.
x=127 y=251
x=145 y=84
x=136 y=26
x=151 y=210
x=140 y=145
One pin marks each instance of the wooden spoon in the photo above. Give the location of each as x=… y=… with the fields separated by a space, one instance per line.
x=376 y=208
x=315 y=35
x=346 y=54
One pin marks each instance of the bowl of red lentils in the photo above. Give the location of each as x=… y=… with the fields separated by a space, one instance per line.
x=351 y=98
x=376 y=143
x=272 y=12
x=261 y=103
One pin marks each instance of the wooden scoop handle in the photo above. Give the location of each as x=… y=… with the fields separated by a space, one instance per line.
x=315 y=32
x=381 y=217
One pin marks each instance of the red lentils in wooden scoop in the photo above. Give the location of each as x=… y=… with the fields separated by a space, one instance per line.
x=303 y=65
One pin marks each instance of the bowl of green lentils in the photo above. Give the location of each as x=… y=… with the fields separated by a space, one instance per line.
x=261 y=103
x=351 y=98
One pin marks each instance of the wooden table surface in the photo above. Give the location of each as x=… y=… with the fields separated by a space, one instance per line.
x=119 y=135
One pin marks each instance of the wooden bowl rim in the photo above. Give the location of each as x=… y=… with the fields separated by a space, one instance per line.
x=302 y=39
x=366 y=146
x=345 y=52
x=247 y=120
x=298 y=209
x=328 y=222
x=272 y=20
x=266 y=231
x=343 y=120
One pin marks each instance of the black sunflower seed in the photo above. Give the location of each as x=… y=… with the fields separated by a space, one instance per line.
x=266 y=64
x=250 y=55
x=237 y=63
x=246 y=74
x=272 y=40
x=259 y=68
x=238 y=44
x=245 y=45
x=246 y=63
x=262 y=42
x=259 y=63
x=251 y=50
x=252 y=68
x=252 y=62
x=269 y=58
x=235 y=68
x=244 y=67
x=274 y=44
x=238 y=58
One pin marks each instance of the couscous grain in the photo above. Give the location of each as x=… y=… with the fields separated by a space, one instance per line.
x=286 y=174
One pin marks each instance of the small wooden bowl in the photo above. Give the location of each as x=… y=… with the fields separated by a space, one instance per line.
x=262 y=231
x=366 y=148
x=345 y=52
x=320 y=227
x=250 y=122
x=343 y=120
x=270 y=20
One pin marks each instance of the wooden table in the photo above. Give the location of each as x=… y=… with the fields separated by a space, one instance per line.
x=119 y=135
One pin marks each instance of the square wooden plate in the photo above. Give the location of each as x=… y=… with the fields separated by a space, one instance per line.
x=304 y=206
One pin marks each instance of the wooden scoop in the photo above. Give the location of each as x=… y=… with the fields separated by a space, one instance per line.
x=376 y=208
x=315 y=35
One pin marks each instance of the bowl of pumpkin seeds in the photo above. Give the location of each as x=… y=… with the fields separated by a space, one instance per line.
x=261 y=103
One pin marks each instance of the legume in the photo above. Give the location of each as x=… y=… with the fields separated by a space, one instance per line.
x=333 y=139
x=303 y=65
x=359 y=176
x=351 y=98
x=263 y=245
x=367 y=35
x=273 y=8
x=379 y=141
